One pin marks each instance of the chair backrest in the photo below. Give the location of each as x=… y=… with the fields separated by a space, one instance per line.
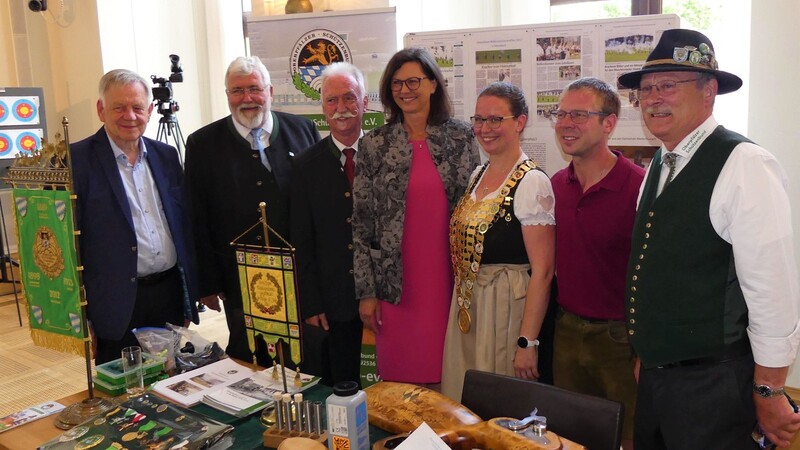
x=594 y=422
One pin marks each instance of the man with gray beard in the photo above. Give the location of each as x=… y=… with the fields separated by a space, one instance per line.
x=232 y=165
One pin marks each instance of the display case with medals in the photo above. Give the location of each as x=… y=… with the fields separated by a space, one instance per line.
x=145 y=422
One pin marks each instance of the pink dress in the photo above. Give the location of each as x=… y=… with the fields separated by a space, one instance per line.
x=411 y=341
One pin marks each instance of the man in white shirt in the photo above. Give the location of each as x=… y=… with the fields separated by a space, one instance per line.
x=712 y=297
x=135 y=240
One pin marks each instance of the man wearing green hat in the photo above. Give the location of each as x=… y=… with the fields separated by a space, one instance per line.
x=712 y=296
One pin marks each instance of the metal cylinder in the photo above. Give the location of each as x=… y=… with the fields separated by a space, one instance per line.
x=278 y=405
x=307 y=416
x=287 y=412
x=318 y=417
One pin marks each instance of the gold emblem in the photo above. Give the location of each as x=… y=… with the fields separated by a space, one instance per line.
x=47 y=253
x=161 y=408
x=127 y=437
x=89 y=442
x=266 y=293
x=464 y=320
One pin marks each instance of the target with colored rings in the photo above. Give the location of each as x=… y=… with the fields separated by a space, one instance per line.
x=3 y=111
x=27 y=142
x=24 y=110
x=6 y=146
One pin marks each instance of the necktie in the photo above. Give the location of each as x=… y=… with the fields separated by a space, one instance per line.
x=258 y=145
x=349 y=164
x=669 y=160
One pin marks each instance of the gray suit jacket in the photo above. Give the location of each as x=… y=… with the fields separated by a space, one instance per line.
x=379 y=202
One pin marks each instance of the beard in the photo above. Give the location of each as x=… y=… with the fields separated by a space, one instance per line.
x=249 y=120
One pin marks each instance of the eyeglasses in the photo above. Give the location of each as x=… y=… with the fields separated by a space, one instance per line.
x=411 y=83
x=578 y=116
x=666 y=87
x=239 y=92
x=492 y=121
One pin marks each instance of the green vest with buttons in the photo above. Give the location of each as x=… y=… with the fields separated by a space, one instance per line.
x=683 y=298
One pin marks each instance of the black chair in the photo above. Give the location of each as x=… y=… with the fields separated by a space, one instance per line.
x=595 y=423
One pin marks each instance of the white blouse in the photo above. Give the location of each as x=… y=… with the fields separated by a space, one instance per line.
x=534 y=201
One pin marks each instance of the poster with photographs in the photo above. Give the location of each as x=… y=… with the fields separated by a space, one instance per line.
x=543 y=59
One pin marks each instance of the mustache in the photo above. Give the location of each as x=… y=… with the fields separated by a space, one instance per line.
x=657 y=110
x=343 y=115
x=248 y=105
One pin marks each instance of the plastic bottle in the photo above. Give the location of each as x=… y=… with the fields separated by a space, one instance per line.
x=348 y=427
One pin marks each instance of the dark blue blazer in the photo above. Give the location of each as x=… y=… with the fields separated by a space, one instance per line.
x=107 y=242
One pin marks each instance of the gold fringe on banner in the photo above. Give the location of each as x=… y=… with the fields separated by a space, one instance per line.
x=58 y=342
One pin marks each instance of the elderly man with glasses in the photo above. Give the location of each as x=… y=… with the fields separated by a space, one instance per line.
x=712 y=297
x=232 y=165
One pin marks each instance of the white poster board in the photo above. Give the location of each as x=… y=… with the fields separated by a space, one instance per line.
x=542 y=59
x=296 y=47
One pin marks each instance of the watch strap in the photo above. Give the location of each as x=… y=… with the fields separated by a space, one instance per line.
x=767 y=391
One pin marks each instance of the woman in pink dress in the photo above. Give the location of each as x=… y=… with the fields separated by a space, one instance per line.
x=409 y=175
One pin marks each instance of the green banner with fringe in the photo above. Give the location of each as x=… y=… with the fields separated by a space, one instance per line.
x=48 y=267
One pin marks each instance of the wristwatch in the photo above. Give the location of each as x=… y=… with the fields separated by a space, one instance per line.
x=524 y=342
x=766 y=391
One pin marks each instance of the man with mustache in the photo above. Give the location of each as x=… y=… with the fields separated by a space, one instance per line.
x=232 y=165
x=712 y=298
x=322 y=204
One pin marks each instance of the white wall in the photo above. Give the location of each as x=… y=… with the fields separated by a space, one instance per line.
x=207 y=35
x=775 y=98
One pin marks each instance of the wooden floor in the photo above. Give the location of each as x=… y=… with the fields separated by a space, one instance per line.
x=30 y=375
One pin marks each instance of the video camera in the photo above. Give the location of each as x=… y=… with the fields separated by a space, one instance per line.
x=162 y=94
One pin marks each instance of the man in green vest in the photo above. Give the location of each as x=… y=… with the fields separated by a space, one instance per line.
x=712 y=294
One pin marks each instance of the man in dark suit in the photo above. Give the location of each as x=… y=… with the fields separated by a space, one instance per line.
x=322 y=204
x=232 y=165
x=135 y=240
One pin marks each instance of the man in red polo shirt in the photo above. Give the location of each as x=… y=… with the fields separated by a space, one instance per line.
x=595 y=209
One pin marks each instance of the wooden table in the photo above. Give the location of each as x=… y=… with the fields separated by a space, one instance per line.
x=33 y=434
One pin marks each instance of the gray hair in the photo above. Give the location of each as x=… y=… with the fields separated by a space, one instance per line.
x=122 y=77
x=345 y=69
x=245 y=65
x=609 y=98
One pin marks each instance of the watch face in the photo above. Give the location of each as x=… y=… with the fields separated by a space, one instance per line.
x=763 y=390
x=522 y=342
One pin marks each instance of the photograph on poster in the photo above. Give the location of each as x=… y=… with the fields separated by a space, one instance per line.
x=558 y=48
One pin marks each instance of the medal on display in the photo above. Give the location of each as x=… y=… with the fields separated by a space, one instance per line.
x=89 y=442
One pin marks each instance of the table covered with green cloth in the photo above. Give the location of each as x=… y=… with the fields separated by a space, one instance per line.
x=247 y=432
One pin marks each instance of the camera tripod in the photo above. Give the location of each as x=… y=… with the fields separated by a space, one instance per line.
x=168 y=126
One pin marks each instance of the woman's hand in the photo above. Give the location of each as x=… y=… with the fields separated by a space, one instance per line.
x=369 y=309
x=526 y=363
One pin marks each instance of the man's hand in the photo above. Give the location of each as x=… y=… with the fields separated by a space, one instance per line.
x=320 y=320
x=526 y=363
x=212 y=301
x=369 y=309
x=777 y=419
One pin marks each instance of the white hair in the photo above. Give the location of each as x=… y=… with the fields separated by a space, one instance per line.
x=245 y=65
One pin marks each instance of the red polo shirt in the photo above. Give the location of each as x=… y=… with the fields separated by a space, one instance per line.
x=593 y=239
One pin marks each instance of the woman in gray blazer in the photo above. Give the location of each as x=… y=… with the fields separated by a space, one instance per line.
x=409 y=175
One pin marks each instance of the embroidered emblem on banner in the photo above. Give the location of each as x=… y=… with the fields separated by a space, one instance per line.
x=311 y=53
x=47 y=253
